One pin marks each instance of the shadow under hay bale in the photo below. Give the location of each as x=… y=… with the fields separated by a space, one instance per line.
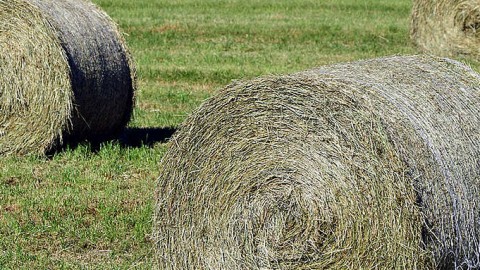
x=365 y=165
x=65 y=75
x=139 y=137
x=446 y=27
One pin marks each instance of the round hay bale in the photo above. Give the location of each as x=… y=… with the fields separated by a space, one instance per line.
x=65 y=75
x=365 y=165
x=446 y=27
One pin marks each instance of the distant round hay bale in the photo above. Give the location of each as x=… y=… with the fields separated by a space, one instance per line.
x=365 y=165
x=65 y=75
x=446 y=27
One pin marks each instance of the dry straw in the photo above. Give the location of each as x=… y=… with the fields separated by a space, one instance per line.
x=65 y=75
x=364 y=165
x=447 y=27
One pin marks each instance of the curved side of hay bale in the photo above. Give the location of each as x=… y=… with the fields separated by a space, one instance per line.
x=101 y=67
x=66 y=47
x=371 y=164
x=446 y=27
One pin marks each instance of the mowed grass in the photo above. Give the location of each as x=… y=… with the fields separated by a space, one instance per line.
x=91 y=207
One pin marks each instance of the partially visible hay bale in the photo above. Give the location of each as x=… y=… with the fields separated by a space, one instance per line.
x=364 y=165
x=446 y=27
x=65 y=75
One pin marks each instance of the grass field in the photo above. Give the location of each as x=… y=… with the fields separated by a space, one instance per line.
x=92 y=208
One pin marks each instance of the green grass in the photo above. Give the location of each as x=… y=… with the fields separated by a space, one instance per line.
x=87 y=208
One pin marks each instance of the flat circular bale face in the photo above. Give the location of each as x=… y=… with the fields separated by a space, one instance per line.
x=365 y=165
x=285 y=173
x=35 y=88
x=66 y=77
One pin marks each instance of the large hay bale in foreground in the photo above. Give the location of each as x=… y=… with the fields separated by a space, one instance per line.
x=446 y=27
x=364 y=165
x=65 y=75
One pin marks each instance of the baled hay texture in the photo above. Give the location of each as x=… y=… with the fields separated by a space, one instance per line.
x=446 y=27
x=364 y=165
x=65 y=75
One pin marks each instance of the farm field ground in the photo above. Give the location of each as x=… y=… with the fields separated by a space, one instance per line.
x=89 y=207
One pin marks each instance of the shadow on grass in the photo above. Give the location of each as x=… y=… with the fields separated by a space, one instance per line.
x=139 y=137
x=129 y=138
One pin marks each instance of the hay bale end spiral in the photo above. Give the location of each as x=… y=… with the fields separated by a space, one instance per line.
x=65 y=75
x=365 y=165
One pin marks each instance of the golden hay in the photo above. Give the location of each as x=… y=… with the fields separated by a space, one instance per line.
x=446 y=27
x=365 y=165
x=65 y=75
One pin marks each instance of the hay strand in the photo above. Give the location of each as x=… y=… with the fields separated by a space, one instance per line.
x=365 y=165
x=65 y=75
x=446 y=27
